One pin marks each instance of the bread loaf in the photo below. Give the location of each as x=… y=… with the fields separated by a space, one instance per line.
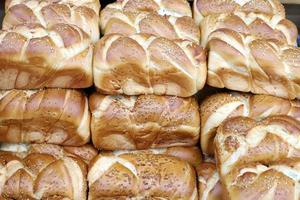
x=191 y=155
x=43 y=172
x=203 y=8
x=242 y=140
x=146 y=64
x=258 y=181
x=249 y=64
x=142 y=122
x=34 y=57
x=84 y=14
x=55 y=116
x=209 y=185
x=129 y=23
x=141 y=176
x=176 y=8
x=219 y=107
x=259 y=160
x=260 y=25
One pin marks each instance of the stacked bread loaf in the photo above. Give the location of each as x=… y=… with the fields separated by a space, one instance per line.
x=46 y=50
x=117 y=117
x=249 y=141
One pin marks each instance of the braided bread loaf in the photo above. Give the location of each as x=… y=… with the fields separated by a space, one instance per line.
x=84 y=14
x=209 y=185
x=44 y=172
x=243 y=140
x=260 y=182
x=176 y=8
x=219 y=107
x=259 y=160
x=142 y=122
x=129 y=23
x=260 y=25
x=146 y=64
x=191 y=155
x=259 y=66
x=203 y=8
x=55 y=116
x=141 y=176
x=33 y=57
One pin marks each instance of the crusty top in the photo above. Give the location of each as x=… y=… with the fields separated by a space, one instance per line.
x=83 y=14
x=141 y=176
x=202 y=8
x=154 y=65
x=261 y=66
x=243 y=140
x=45 y=53
x=257 y=24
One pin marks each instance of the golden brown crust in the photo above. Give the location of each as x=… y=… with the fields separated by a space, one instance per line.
x=84 y=14
x=243 y=140
x=260 y=25
x=203 y=8
x=145 y=64
x=209 y=185
x=142 y=122
x=191 y=155
x=42 y=172
x=57 y=116
x=257 y=181
x=260 y=66
x=144 y=176
x=217 y=108
x=127 y=23
x=34 y=57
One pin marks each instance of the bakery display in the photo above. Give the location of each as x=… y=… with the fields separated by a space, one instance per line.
x=141 y=176
x=269 y=27
x=219 y=107
x=43 y=172
x=84 y=14
x=56 y=116
x=34 y=57
x=203 y=8
x=146 y=64
x=259 y=66
x=141 y=122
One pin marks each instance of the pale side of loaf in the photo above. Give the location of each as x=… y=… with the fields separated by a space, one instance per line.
x=34 y=57
x=191 y=155
x=242 y=140
x=141 y=176
x=250 y=64
x=175 y=8
x=43 y=172
x=49 y=13
x=129 y=23
x=56 y=116
x=217 y=108
x=209 y=185
x=203 y=8
x=261 y=182
x=146 y=64
x=260 y=25
x=142 y=122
